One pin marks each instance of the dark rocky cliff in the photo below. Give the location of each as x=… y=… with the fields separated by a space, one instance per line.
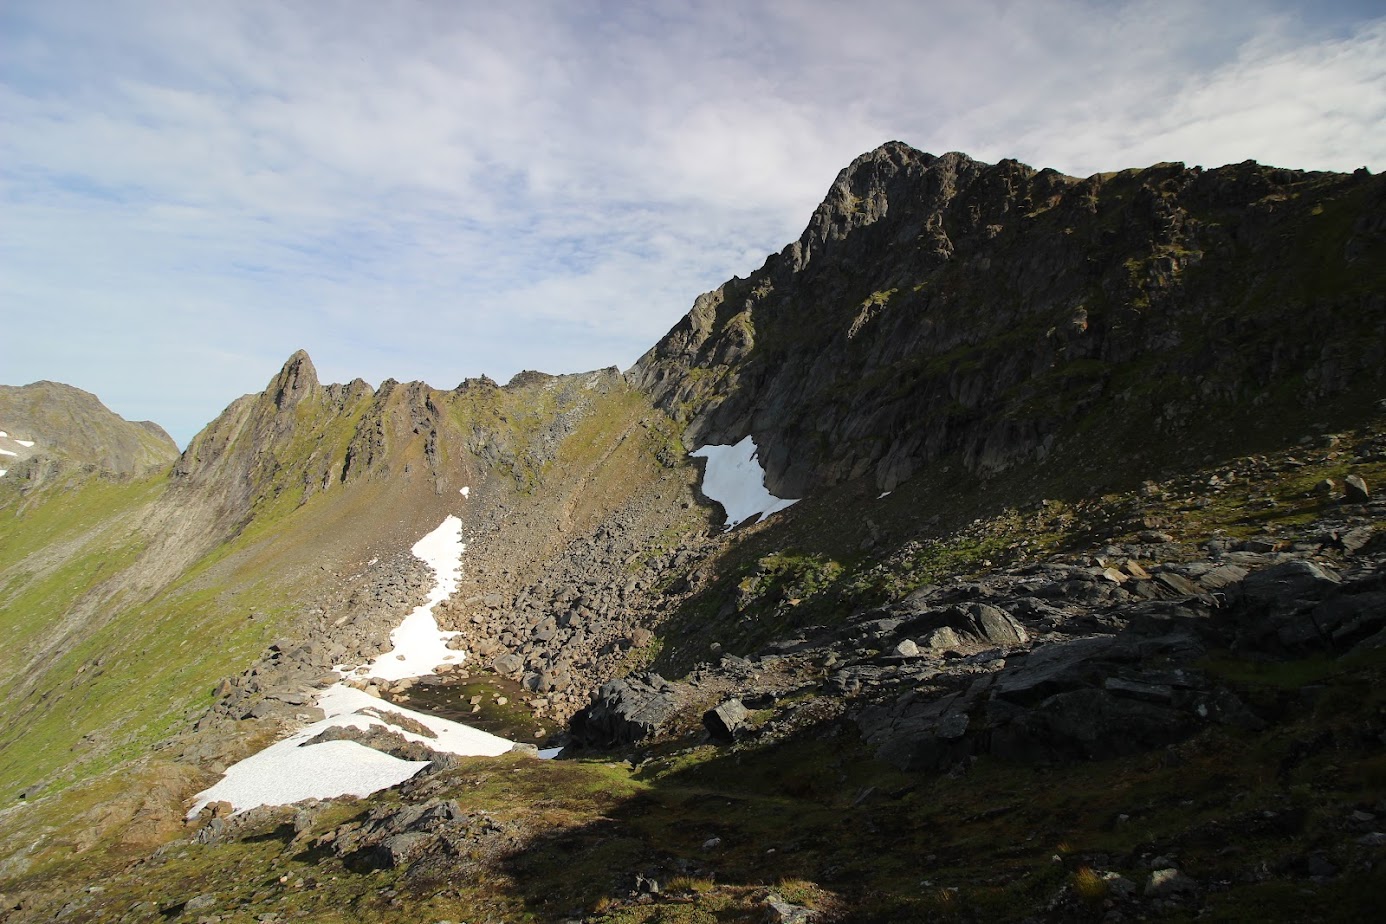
x=938 y=306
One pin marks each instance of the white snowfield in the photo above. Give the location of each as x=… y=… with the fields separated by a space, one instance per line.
x=6 y=452
x=419 y=645
x=27 y=444
x=292 y=770
x=735 y=479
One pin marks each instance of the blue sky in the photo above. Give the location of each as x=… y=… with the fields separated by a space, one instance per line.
x=191 y=191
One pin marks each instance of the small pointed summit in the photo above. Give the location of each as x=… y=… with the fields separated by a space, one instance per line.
x=296 y=379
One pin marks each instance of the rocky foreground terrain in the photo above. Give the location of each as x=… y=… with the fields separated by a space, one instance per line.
x=1082 y=614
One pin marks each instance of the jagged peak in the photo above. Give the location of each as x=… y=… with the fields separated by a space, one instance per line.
x=297 y=378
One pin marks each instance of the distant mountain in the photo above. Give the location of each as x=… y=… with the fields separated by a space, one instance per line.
x=53 y=421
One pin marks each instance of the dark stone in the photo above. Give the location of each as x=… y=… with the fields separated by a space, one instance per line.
x=626 y=711
x=1221 y=576
x=1054 y=668
x=727 y=720
x=1283 y=586
x=1095 y=724
x=915 y=733
x=1355 y=490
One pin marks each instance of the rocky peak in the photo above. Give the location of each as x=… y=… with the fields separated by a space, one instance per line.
x=939 y=306
x=893 y=175
x=295 y=380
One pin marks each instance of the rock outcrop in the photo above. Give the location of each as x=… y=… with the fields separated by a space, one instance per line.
x=938 y=306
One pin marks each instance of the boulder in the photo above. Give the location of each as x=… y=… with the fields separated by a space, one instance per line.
x=1221 y=576
x=393 y=836
x=943 y=639
x=1091 y=724
x=508 y=664
x=996 y=625
x=625 y=711
x=727 y=720
x=1355 y=490
x=917 y=733
x=1168 y=882
x=1286 y=586
x=975 y=622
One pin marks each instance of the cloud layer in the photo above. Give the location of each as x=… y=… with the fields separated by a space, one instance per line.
x=440 y=190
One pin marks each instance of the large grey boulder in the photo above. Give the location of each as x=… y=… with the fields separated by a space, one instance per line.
x=626 y=711
x=727 y=720
x=393 y=836
x=1286 y=586
x=1297 y=606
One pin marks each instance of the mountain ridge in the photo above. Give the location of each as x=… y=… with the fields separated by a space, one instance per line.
x=1076 y=459
x=964 y=295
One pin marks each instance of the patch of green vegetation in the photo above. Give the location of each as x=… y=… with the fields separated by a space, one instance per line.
x=640 y=659
x=787 y=578
x=929 y=563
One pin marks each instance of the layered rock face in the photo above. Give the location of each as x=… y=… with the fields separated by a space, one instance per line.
x=938 y=306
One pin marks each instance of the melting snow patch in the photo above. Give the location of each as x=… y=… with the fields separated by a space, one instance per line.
x=735 y=479
x=3 y=471
x=883 y=494
x=27 y=444
x=6 y=452
x=293 y=770
x=419 y=645
x=464 y=491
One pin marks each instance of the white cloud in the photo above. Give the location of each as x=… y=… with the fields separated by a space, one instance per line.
x=436 y=190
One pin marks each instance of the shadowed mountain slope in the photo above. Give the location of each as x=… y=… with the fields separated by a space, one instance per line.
x=938 y=306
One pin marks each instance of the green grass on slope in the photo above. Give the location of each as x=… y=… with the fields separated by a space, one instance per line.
x=128 y=672
x=74 y=703
x=54 y=551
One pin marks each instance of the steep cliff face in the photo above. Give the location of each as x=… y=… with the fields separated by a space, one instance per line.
x=938 y=307
x=56 y=424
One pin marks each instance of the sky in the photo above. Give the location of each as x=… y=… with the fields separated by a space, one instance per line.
x=191 y=191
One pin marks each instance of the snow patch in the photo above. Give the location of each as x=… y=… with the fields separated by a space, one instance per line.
x=418 y=645
x=27 y=444
x=882 y=495
x=6 y=452
x=465 y=492
x=3 y=471
x=735 y=479
x=3 y=433
x=292 y=770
